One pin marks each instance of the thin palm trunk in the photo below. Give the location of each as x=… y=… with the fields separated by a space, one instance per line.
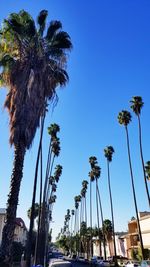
x=81 y=220
x=91 y=216
x=29 y=241
x=112 y=213
x=42 y=231
x=71 y=234
x=78 y=230
x=134 y=195
x=85 y=212
x=49 y=175
x=100 y=250
x=102 y=218
x=81 y=212
x=40 y=205
x=75 y=230
x=16 y=177
x=142 y=159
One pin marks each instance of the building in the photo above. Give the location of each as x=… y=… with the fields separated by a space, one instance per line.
x=120 y=246
x=2 y=221
x=132 y=239
x=20 y=234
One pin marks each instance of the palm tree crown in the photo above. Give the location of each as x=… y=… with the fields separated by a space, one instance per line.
x=53 y=130
x=136 y=104
x=124 y=117
x=32 y=66
x=108 y=152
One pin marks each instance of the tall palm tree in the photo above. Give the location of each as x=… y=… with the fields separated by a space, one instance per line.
x=76 y=222
x=95 y=174
x=92 y=161
x=71 y=231
x=83 y=201
x=136 y=105
x=124 y=118
x=108 y=232
x=32 y=66
x=54 y=151
x=108 y=152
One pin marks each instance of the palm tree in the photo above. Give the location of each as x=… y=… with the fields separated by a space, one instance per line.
x=36 y=211
x=147 y=170
x=53 y=151
x=92 y=161
x=136 y=106
x=32 y=66
x=77 y=199
x=83 y=201
x=108 y=232
x=108 y=152
x=72 y=215
x=124 y=118
x=95 y=174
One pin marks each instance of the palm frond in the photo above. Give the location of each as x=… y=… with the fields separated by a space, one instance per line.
x=62 y=40
x=41 y=20
x=52 y=29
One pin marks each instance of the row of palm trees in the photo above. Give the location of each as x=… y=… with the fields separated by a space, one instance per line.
x=82 y=234
x=46 y=200
x=124 y=117
x=33 y=64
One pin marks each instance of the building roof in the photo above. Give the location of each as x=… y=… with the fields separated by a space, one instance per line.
x=21 y=223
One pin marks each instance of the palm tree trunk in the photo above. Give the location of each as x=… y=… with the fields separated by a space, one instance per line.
x=100 y=250
x=85 y=212
x=102 y=219
x=42 y=230
x=112 y=213
x=12 y=202
x=81 y=220
x=39 y=215
x=142 y=159
x=91 y=216
x=71 y=234
x=134 y=195
x=75 y=231
x=29 y=241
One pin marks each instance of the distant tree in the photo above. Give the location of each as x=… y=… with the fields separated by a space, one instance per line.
x=108 y=232
x=108 y=152
x=136 y=105
x=124 y=118
x=36 y=211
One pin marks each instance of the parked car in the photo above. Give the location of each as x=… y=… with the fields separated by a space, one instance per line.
x=60 y=263
x=145 y=263
x=105 y=263
x=96 y=259
x=132 y=264
x=80 y=258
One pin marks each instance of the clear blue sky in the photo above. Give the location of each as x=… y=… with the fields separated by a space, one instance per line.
x=110 y=63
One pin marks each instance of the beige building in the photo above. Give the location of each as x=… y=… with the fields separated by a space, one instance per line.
x=20 y=234
x=132 y=239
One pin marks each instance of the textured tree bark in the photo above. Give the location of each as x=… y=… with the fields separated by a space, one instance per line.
x=12 y=202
